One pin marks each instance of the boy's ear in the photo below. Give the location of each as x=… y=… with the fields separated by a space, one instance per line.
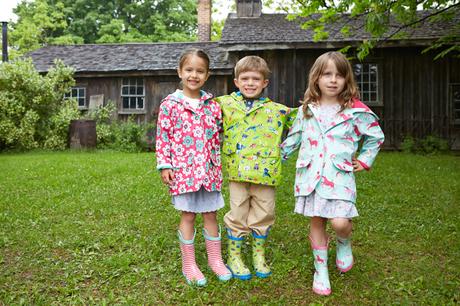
x=265 y=83
x=235 y=81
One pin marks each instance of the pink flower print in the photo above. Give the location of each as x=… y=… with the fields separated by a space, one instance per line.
x=199 y=158
x=177 y=136
x=165 y=123
x=209 y=121
x=198 y=132
x=196 y=119
x=186 y=127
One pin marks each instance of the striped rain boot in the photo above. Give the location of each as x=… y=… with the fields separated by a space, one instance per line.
x=321 y=284
x=213 y=249
x=258 y=256
x=344 y=259
x=190 y=269
x=235 y=262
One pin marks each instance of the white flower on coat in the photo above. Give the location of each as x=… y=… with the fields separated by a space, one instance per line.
x=165 y=123
x=198 y=132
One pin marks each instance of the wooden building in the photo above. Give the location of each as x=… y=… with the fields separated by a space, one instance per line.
x=411 y=92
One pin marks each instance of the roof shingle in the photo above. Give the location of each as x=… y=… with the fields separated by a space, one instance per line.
x=124 y=57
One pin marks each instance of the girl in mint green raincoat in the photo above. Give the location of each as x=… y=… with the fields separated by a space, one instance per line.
x=328 y=129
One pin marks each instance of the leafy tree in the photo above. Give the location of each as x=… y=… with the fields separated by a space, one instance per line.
x=42 y=22
x=33 y=111
x=378 y=19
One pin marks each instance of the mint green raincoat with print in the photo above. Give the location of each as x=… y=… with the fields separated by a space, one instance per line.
x=252 y=138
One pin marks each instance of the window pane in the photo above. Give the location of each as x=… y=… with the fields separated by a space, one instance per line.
x=74 y=92
x=140 y=90
x=132 y=102
x=374 y=97
x=81 y=92
x=81 y=102
x=365 y=97
x=140 y=102
x=132 y=90
x=365 y=87
x=125 y=81
x=125 y=102
x=125 y=91
x=457 y=114
x=67 y=95
x=140 y=82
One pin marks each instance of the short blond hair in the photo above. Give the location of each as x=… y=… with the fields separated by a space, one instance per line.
x=252 y=63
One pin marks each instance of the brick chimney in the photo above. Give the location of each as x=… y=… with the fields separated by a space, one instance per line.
x=248 y=8
x=204 y=20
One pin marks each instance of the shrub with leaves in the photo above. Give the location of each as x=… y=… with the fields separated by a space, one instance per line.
x=428 y=145
x=33 y=111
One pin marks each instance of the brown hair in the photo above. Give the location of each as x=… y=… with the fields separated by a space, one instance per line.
x=313 y=93
x=190 y=52
x=252 y=63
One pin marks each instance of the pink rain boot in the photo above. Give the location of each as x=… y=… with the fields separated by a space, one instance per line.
x=321 y=284
x=190 y=270
x=213 y=248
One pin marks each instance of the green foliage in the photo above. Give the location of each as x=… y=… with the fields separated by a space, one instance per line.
x=378 y=17
x=33 y=111
x=118 y=135
x=43 y=22
x=428 y=145
x=98 y=228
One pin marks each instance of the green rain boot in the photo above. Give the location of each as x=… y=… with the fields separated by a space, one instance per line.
x=258 y=256
x=235 y=263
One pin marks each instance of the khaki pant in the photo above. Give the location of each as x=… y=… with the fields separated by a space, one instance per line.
x=252 y=208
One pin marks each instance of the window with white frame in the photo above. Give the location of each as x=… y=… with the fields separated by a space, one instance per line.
x=133 y=93
x=367 y=78
x=79 y=94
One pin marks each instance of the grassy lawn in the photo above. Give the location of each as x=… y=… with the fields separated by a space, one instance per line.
x=98 y=228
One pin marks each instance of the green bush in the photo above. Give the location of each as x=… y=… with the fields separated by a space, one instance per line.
x=428 y=145
x=118 y=135
x=33 y=111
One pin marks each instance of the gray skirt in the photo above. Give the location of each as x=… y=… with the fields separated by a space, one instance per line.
x=201 y=201
x=314 y=205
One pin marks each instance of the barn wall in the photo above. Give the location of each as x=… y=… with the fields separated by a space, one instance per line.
x=156 y=88
x=415 y=89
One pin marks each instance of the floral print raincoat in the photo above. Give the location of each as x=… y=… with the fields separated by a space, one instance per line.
x=188 y=142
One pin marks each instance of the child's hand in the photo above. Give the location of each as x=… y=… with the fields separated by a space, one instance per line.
x=167 y=176
x=356 y=165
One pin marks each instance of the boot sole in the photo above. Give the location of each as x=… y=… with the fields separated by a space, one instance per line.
x=263 y=275
x=242 y=277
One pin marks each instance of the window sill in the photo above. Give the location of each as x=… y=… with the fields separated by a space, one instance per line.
x=132 y=112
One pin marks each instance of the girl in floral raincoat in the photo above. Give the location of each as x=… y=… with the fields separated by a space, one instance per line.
x=188 y=156
x=327 y=129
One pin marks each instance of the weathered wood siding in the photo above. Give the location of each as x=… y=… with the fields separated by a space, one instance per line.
x=155 y=87
x=415 y=89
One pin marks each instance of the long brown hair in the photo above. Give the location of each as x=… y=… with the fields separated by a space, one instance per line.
x=313 y=93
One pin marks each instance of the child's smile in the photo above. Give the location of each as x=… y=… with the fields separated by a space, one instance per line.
x=251 y=84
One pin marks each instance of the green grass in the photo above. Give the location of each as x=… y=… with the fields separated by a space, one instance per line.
x=98 y=228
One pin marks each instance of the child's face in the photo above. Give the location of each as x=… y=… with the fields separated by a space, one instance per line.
x=331 y=83
x=251 y=84
x=194 y=73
